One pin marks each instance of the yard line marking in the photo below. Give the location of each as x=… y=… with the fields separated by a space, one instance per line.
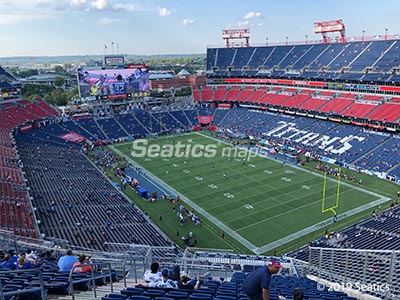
x=284 y=240
x=211 y=218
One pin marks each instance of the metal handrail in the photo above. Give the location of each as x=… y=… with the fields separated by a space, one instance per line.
x=37 y=271
x=93 y=277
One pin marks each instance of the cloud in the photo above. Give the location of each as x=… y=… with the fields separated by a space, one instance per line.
x=19 y=11
x=250 y=20
x=242 y=24
x=77 y=2
x=6 y=19
x=163 y=11
x=252 y=15
x=126 y=7
x=99 y=4
x=108 y=21
x=187 y=22
x=22 y=6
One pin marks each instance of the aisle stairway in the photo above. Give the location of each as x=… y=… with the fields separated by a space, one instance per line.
x=100 y=291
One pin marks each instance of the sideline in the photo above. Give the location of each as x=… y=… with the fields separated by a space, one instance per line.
x=211 y=218
x=270 y=246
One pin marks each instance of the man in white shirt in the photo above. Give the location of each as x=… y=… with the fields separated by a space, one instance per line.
x=31 y=256
x=153 y=274
x=164 y=282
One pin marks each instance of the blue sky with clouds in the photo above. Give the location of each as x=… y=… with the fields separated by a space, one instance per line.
x=70 y=27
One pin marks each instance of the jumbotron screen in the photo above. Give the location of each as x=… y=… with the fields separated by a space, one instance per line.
x=108 y=82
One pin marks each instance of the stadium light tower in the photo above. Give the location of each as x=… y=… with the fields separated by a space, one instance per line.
x=363 y=36
x=306 y=38
x=228 y=34
x=325 y=27
x=386 y=35
x=266 y=41
x=286 y=41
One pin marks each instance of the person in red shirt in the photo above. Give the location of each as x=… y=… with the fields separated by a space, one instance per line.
x=81 y=265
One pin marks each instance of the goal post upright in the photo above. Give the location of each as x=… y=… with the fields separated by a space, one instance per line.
x=337 y=196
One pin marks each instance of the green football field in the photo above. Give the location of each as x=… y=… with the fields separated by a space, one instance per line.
x=260 y=202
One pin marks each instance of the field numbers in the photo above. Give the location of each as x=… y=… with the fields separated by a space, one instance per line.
x=175 y=165
x=306 y=187
x=248 y=206
x=228 y=195
x=252 y=166
x=267 y=172
x=212 y=186
x=198 y=178
x=186 y=171
x=286 y=179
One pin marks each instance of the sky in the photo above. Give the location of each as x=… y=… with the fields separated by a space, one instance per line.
x=147 y=27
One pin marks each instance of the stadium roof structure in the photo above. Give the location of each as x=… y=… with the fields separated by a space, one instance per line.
x=5 y=85
x=155 y=76
x=183 y=72
x=6 y=76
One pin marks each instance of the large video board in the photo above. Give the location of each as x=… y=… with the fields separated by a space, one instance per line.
x=133 y=80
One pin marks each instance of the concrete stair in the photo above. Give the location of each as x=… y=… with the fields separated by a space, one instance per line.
x=100 y=291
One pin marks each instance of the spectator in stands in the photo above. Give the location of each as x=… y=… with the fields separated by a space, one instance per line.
x=7 y=263
x=257 y=284
x=48 y=256
x=185 y=283
x=31 y=256
x=153 y=274
x=164 y=282
x=82 y=266
x=175 y=274
x=298 y=294
x=23 y=264
x=66 y=262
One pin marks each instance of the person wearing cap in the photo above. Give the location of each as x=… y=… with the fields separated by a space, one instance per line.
x=257 y=284
x=164 y=282
x=175 y=274
x=185 y=283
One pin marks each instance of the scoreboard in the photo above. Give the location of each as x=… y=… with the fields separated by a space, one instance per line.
x=130 y=81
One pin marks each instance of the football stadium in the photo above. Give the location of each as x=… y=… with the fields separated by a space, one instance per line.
x=288 y=152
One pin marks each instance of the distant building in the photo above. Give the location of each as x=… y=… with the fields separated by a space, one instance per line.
x=48 y=79
x=10 y=88
x=182 y=80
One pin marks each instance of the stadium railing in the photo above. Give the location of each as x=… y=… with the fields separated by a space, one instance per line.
x=91 y=280
x=8 y=289
x=372 y=272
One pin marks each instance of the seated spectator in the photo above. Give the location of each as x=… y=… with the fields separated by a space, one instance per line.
x=175 y=274
x=298 y=294
x=153 y=274
x=7 y=263
x=185 y=283
x=48 y=256
x=23 y=264
x=164 y=282
x=31 y=256
x=66 y=262
x=82 y=266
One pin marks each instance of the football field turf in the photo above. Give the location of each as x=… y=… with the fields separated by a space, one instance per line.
x=260 y=201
